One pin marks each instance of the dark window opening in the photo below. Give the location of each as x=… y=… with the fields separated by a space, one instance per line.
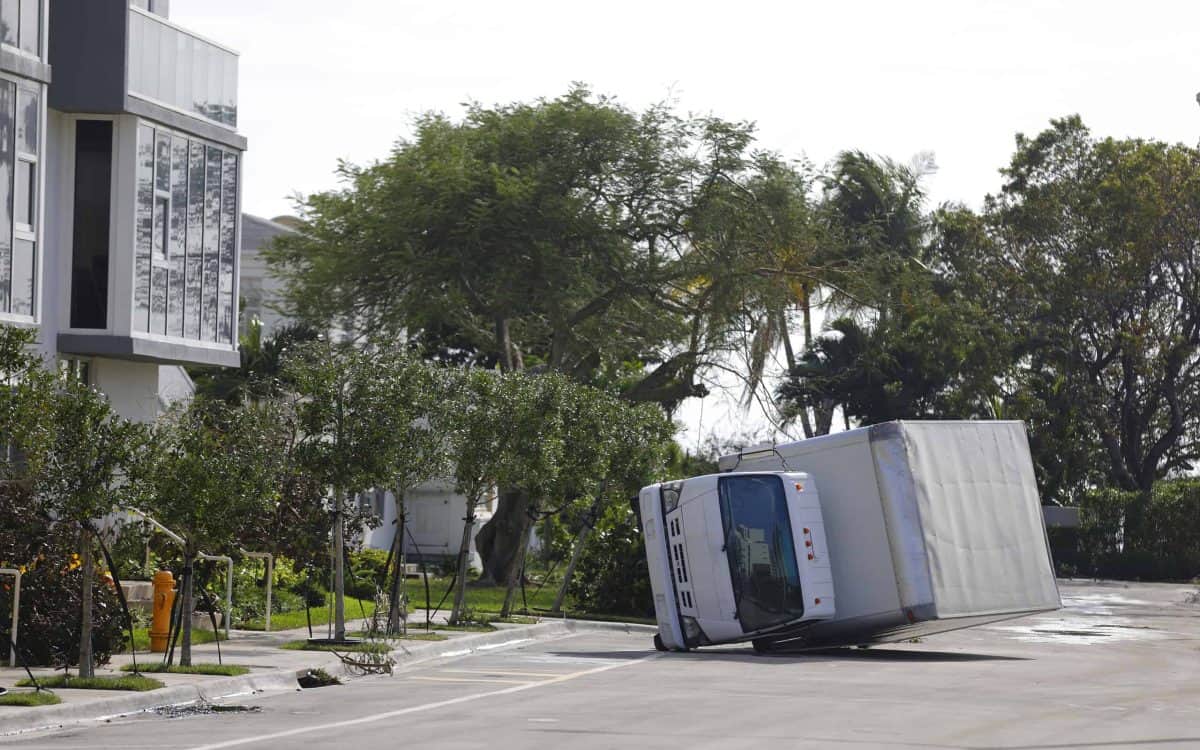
x=89 y=265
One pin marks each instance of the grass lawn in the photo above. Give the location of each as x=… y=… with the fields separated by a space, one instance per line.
x=141 y=638
x=484 y=599
x=355 y=609
x=139 y=684
x=29 y=699
x=224 y=670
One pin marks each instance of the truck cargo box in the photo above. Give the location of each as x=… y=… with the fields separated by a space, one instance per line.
x=931 y=526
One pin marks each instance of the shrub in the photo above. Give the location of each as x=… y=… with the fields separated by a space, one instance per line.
x=50 y=588
x=365 y=573
x=612 y=576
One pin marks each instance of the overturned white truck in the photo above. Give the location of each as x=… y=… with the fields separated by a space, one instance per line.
x=867 y=536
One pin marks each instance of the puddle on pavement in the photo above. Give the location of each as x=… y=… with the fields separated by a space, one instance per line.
x=1085 y=620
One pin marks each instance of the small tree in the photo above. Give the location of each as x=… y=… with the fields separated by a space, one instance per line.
x=343 y=411
x=476 y=433
x=213 y=469
x=418 y=448
x=533 y=409
x=628 y=449
x=82 y=475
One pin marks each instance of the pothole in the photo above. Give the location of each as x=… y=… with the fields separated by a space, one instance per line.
x=202 y=708
x=315 y=678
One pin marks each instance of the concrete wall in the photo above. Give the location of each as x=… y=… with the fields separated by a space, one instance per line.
x=132 y=387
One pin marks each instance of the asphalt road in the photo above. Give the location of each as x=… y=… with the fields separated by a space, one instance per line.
x=1118 y=668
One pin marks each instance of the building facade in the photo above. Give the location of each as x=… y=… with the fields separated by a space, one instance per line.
x=120 y=193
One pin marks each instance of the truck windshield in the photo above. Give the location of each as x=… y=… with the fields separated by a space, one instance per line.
x=762 y=557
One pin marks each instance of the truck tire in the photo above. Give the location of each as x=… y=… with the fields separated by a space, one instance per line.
x=658 y=643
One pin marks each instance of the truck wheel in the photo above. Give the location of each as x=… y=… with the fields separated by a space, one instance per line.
x=763 y=646
x=658 y=643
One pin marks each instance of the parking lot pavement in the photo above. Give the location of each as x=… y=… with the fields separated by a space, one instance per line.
x=1118 y=667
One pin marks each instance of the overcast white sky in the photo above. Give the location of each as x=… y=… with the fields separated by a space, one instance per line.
x=322 y=80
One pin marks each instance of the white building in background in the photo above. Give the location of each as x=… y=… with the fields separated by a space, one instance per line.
x=434 y=511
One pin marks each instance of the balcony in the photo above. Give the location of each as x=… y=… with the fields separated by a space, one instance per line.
x=114 y=57
x=176 y=68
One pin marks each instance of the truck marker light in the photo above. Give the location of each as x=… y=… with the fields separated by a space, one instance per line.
x=799 y=487
x=810 y=556
x=808 y=544
x=806 y=531
x=817 y=600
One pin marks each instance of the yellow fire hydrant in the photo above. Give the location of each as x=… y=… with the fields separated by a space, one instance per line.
x=164 y=599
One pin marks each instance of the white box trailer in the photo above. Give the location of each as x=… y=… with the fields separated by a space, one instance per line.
x=872 y=535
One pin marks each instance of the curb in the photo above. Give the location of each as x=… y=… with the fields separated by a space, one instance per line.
x=54 y=717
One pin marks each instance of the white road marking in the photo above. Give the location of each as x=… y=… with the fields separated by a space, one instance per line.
x=462 y=679
x=423 y=707
x=506 y=672
x=505 y=644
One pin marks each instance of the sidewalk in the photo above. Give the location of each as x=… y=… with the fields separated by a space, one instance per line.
x=272 y=669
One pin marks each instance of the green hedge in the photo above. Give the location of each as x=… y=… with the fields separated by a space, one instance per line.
x=1134 y=536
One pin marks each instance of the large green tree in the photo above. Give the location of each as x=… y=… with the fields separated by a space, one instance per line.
x=572 y=234
x=1099 y=266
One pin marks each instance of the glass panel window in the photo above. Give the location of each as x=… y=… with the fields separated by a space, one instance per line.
x=7 y=169
x=28 y=118
x=229 y=217
x=10 y=21
x=212 y=239
x=145 y=229
x=194 y=265
x=761 y=551
x=31 y=26
x=162 y=210
x=177 y=235
x=24 y=263
x=24 y=195
x=162 y=162
x=158 y=299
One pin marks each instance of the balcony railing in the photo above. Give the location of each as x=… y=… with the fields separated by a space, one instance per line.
x=171 y=66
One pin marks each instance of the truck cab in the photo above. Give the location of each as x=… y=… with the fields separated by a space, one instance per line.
x=735 y=557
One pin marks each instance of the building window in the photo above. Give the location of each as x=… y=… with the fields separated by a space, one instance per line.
x=20 y=118
x=21 y=25
x=187 y=221
x=78 y=370
x=93 y=205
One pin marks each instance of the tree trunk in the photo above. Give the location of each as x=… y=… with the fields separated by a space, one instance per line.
x=339 y=571
x=397 y=605
x=504 y=348
x=464 y=555
x=87 y=667
x=186 y=609
x=499 y=541
x=576 y=553
x=806 y=307
x=514 y=576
